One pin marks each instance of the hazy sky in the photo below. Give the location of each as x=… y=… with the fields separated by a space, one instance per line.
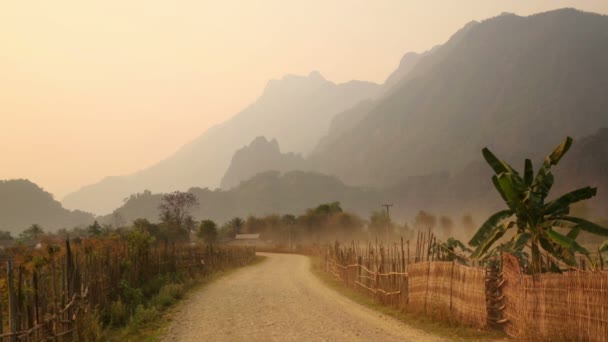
x=96 y=88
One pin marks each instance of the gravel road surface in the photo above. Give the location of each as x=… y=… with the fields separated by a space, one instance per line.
x=279 y=299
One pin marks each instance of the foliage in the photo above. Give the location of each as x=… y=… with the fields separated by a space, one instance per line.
x=537 y=222
x=175 y=213
x=447 y=225
x=455 y=250
x=468 y=223
x=94 y=229
x=88 y=327
x=207 y=231
x=119 y=313
x=5 y=235
x=168 y=295
x=32 y=234
x=143 y=316
x=424 y=220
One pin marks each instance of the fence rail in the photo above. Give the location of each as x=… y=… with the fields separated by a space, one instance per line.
x=568 y=306
x=44 y=292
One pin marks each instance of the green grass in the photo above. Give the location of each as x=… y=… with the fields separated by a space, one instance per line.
x=443 y=328
x=151 y=324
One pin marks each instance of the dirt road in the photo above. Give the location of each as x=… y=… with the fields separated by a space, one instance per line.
x=281 y=300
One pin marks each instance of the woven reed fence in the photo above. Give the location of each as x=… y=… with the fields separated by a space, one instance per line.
x=572 y=306
x=389 y=275
x=45 y=292
x=449 y=288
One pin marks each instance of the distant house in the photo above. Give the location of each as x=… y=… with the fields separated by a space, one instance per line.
x=247 y=240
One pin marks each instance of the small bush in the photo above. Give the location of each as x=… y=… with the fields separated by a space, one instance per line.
x=88 y=328
x=119 y=313
x=168 y=295
x=143 y=316
x=130 y=295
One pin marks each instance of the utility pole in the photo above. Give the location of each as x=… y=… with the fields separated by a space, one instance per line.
x=289 y=235
x=388 y=221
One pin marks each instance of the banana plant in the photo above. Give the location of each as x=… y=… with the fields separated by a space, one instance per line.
x=536 y=224
x=449 y=249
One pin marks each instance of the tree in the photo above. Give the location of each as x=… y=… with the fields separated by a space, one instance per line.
x=32 y=234
x=468 y=223
x=424 y=220
x=231 y=228
x=536 y=222
x=149 y=227
x=446 y=225
x=175 y=209
x=378 y=222
x=207 y=231
x=5 y=235
x=288 y=219
x=94 y=229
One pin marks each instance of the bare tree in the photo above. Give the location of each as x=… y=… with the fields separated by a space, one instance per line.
x=175 y=213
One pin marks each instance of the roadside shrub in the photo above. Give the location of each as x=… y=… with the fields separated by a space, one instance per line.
x=168 y=295
x=130 y=295
x=143 y=316
x=154 y=286
x=88 y=328
x=119 y=313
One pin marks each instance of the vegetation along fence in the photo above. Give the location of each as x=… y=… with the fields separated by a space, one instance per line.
x=569 y=306
x=46 y=292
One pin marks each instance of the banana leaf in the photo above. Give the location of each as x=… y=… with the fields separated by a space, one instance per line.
x=566 y=242
x=553 y=158
x=496 y=234
x=564 y=201
x=518 y=242
x=487 y=228
x=587 y=226
x=604 y=246
x=496 y=164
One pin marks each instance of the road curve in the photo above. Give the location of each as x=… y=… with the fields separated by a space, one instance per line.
x=281 y=300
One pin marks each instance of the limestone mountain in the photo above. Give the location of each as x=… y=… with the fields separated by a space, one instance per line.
x=296 y=110
x=259 y=156
x=515 y=84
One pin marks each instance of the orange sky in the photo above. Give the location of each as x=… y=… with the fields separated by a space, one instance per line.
x=96 y=88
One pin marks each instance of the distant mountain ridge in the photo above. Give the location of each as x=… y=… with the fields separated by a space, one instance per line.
x=23 y=203
x=296 y=110
x=515 y=84
x=511 y=83
x=266 y=193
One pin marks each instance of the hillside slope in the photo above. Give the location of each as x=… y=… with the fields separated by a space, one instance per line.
x=511 y=83
x=23 y=203
x=295 y=110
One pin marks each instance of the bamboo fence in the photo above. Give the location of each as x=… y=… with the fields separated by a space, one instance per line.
x=394 y=276
x=572 y=306
x=43 y=293
x=449 y=288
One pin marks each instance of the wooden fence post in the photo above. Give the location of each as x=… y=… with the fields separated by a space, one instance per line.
x=12 y=305
x=452 y=285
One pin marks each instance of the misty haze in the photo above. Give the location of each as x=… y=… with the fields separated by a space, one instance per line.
x=285 y=171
